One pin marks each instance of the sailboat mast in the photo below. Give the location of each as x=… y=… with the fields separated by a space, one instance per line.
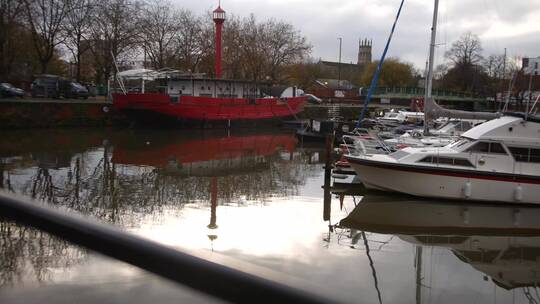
x=429 y=78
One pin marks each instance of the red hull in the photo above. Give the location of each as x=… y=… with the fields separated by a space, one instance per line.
x=209 y=108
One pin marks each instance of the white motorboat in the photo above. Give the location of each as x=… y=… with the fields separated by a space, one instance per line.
x=498 y=161
x=400 y=117
x=418 y=139
x=440 y=137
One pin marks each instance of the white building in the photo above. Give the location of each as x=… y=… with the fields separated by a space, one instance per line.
x=531 y=66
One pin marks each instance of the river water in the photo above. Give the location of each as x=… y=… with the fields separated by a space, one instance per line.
x=251 y=201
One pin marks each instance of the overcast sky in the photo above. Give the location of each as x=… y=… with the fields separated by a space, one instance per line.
x=500 y=24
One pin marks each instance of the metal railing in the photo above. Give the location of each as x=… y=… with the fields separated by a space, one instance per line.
x=208 y=277
x=416 y=91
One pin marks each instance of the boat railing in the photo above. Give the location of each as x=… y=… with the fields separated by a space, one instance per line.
x=364 y=145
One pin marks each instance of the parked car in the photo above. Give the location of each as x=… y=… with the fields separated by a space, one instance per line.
x=55 y=87
x=46 y=86
x=92 y=89
x=75 y=90
x=8 y=90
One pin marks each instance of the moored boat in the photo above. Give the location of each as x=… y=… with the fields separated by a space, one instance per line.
x=208 y=101
x=193 y=99
x=498 y=161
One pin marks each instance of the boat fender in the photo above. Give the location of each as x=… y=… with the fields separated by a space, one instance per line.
x=516 y=217
x=518 y=193
x=467 y=189
x=466 y=216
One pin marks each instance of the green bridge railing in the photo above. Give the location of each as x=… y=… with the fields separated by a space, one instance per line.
x=409 y=92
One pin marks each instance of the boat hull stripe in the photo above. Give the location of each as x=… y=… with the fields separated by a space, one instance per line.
x=495 y=176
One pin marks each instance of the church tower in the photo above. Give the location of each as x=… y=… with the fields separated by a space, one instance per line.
x=364 y=51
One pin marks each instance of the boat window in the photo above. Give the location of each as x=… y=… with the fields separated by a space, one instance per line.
x=446 y=161
x=527 y=155
x=441 y=160
x=427 y=159
x=485 y=147
x=480 y=147
x=535 y=156
x=496 y=148
x=519 y=154
x=462 y=162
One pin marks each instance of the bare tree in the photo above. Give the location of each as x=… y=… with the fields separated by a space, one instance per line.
x=282 y=45
x=193 y=42
x=262 y=50
x=76 y=29
x=253 y=58
x=465 y=51
x=233 y=49
x=465 y=71
x=113 y=33
x=44 y=18
x=160 y=25
x=495 y=66
x=10 y=20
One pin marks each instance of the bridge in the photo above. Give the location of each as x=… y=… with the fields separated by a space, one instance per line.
x=415 y=92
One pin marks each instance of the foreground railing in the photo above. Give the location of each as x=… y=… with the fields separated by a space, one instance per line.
x=211 y=278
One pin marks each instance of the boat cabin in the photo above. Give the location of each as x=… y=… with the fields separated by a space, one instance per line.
x=215 y=88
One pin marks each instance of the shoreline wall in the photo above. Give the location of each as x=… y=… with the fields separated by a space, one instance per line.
x=46 y=113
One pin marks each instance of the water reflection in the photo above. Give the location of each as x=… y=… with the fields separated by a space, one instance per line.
x=126 y=177
x=257 y=198
x=500 y=241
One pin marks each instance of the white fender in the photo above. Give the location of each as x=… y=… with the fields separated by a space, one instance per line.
x=518 y=193
x=467 y=189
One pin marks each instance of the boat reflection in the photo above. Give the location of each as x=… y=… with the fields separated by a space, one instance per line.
x=501 y=241
x=215 y=156
x=132 y=178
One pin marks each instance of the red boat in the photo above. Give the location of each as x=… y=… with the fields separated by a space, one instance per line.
x=188 y=98
x=209 y=101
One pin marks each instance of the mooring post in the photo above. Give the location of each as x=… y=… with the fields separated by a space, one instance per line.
x=327 y=201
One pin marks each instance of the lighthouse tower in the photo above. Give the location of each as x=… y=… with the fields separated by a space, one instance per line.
x=219 y=17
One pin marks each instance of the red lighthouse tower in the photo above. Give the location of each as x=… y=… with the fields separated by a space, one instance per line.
x=219 y=18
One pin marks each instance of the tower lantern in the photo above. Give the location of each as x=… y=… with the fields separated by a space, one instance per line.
x=219 y=17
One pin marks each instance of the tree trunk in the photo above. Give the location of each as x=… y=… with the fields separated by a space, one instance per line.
x=44 y=63
x=78 y=73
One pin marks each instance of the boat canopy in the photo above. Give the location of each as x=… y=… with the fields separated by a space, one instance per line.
x=505 y=128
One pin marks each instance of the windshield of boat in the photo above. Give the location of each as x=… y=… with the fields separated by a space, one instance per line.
x=399 y=154
x=459 y=143
x=446 y=126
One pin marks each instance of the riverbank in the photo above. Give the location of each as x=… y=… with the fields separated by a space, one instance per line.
x=18 y=113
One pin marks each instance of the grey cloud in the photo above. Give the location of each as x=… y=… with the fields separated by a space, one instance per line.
x=322 y=21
